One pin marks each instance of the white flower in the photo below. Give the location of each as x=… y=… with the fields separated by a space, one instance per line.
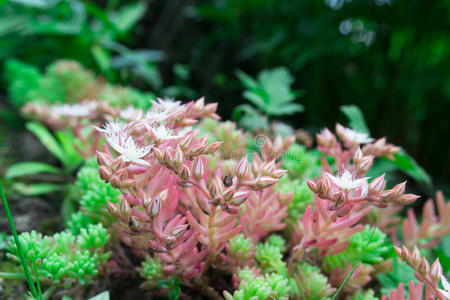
x=116 y=135
x=166 y=104
x=346 y=181
x=446 y=291
x=72 y=110
x=129 y=113
x=156 y=116
x=162 y=133
x=353 y=136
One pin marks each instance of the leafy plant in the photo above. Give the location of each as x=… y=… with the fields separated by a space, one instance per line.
x=60 y=145
x=270 y=93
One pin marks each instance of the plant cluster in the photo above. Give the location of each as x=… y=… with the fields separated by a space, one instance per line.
x=208 y=209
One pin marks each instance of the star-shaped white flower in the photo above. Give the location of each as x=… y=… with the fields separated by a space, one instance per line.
x=346 y=181
x=168 y=105
x=353 y=136
x=116 y=135
x=129 y=113
x=446 y=291
x=71 y=110
x=156 y=116
x=162 y=133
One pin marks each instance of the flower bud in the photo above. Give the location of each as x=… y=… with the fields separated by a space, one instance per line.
x=105 y=173
x=365 y=164
x=399 y=188
x=268 y=168
x=324 y=185
x=125 y=209
x=312 y=185
x=146 y=202
x=339 y=197
x=228 y=193
x=197 y=149
x=204 y=141
x=113 y=210
x=185 y=172
x=358 y=156
x=198 y=105
x=177 y=158
x=198 y=168
x=406 y=199
x=239 y=198
x=133 y=223
x=115 y=181
x=159 y=154
x=279 y=173
x=266 y=181
x=163 y=195
x=179 y=230
x=127 y=183
x=377 y=185
x=117 y=164
x=170 y=240
x=104 y=159
x=436 y=271
x=168 y=157
x=154 y=208
x=186 y=141
x=415 y=256
x=387 y=196
x=186 y=122
x=242 y=168
x=424 y=267
x=210 y=108
x=213 y=147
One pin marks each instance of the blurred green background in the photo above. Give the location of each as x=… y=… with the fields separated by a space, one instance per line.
x=389 y=57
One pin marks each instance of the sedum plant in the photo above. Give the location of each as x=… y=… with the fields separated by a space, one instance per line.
x=208 y=209
x=65 y=261
x=195 y=216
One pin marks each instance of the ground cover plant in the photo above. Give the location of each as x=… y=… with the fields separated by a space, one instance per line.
x=173 y=202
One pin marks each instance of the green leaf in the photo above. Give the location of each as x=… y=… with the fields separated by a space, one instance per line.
x=409 y=165
x=30 y=168
x=129 y=15
x=271 y=93
x=36 y=189
x=355 y=118
x=101 y=57
x=246 y=80
x=102 y=296
x=47 y=140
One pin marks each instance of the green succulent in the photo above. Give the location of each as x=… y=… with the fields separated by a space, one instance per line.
x=94 y=237
x=310 y=283
x=34 y=245
x=364 y=295
x=93 y=194
x=240 y=246
x=152 y=271
x=270 y=259
x=83 y=267
x=126 y=96
x=21 y=79
x=302 y=197
x=299 y=162
x=374 y=252
x=277 y=241
x=65 y=258
x=260 y=288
